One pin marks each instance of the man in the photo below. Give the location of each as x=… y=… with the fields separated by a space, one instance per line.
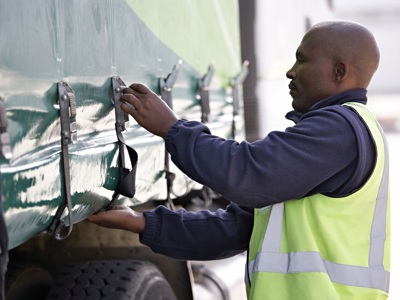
x=310 y=203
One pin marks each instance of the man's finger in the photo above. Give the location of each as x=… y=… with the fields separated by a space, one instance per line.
x=127 y=90
x=94 y=218
x=139 y=88
x=131 y=100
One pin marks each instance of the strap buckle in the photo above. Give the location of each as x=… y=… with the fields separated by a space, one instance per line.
x=67 y=106
x=120 y=116
x=166 y=84
x=203 y=93
x=236 y=83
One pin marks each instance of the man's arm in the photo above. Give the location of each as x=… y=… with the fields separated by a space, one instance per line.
x=120 y=217
x=181 y=234
x=320 y=154
x=201 y=235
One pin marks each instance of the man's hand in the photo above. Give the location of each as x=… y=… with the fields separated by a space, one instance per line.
x=120 y=217
x=149 y=110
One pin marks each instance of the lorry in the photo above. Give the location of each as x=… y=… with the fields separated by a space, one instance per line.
x=68 y=150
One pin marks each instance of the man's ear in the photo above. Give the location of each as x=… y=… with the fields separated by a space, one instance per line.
x=341 y=71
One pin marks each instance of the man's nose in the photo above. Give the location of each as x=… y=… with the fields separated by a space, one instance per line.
x=291 y=74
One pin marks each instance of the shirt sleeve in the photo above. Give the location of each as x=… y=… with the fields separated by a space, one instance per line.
x=202 y=235
x=320 y=154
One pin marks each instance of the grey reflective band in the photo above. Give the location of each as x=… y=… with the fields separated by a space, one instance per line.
x=287 y=263
x=274 y=229
x=378 y=231
x=269 y=259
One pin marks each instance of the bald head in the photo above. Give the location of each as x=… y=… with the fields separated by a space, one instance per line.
x=349 y=43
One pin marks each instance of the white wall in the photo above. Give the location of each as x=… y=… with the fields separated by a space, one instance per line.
x=382 y=17
x=280 y=26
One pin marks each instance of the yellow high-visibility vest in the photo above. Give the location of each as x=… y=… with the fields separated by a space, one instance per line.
x=323 y=248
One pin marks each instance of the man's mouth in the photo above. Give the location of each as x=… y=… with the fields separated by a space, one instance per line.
x=292 y=89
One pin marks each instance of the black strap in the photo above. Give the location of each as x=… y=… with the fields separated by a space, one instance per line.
x=127 y=181
x=126 y=185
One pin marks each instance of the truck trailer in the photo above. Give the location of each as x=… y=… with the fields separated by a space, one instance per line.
x=67 y=150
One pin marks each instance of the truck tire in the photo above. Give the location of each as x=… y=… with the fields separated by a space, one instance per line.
x=111 y=279
x=25 y=281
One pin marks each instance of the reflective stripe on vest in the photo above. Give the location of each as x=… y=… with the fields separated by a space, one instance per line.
x=269 y=259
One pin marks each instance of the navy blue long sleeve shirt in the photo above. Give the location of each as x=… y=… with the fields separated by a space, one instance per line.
x=329 y=150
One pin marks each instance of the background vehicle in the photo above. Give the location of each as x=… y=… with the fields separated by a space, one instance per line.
x=66 y=147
